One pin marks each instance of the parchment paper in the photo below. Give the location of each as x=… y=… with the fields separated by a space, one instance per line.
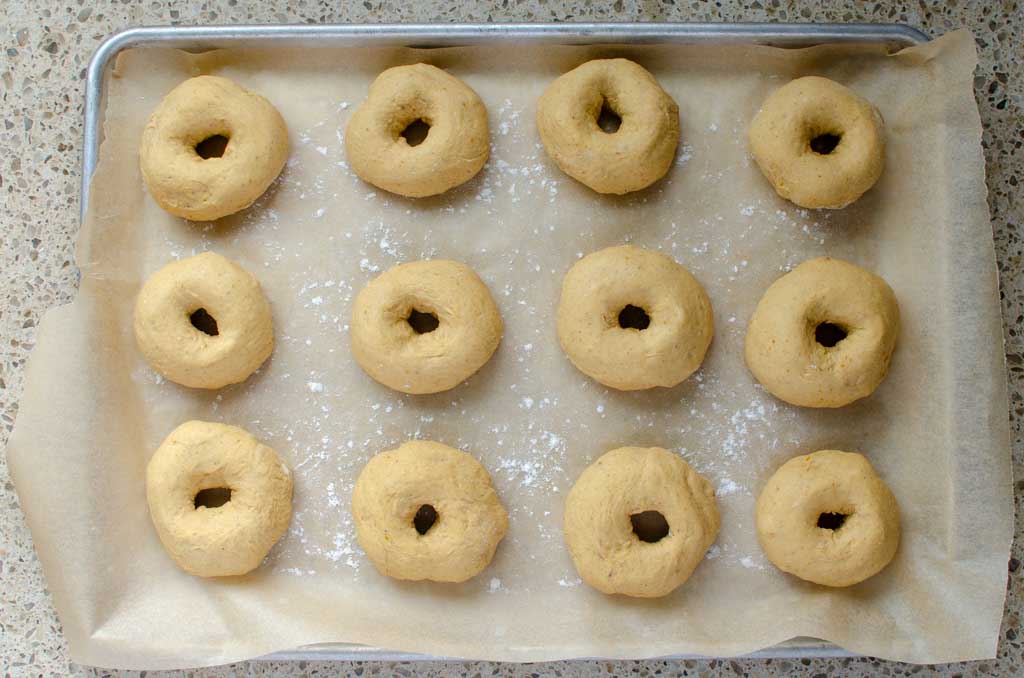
x=936 y=430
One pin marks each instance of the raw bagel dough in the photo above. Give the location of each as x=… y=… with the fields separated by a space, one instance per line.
x=230 y=539
x=467 y=332
x=818 y=488
x=469 y=519
x=175 y=347
x=599 y=528
x=639 y=153
x=597 y=290
x=819 y=109
x=184 y=183
x=784 y=354
x=457 y=145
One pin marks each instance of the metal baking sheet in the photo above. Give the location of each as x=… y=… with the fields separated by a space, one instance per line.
x=205 y=38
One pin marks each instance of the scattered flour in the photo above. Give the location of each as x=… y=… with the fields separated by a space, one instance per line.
x=529 y=417
x=726 y=487
x=684 y=154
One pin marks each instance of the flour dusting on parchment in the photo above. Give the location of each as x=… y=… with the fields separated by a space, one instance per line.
x=529 y=452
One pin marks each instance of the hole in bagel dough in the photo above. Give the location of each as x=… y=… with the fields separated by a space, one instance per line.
x=608 y=120
x=415 y=133
x=425 y=518
x=649 y=526
x=204 y=322
x=832 y=521
x=829 y=334
x=422 y=323
x=212 y=147
x=823 y=144
x=634 y=318
x=212 y=497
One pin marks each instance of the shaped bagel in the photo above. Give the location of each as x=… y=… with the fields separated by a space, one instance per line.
x=634 y=319
x=211 y=148
x=380 y=145
x=425 y=326
x=219 y=498
x=828 y=518
x=427 y=511
x=823 y=335
x=818 y=143
x=203 y=322
x=631 y=157
x=638 y=522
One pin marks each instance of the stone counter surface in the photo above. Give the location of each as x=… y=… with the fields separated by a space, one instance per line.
x=46 y=47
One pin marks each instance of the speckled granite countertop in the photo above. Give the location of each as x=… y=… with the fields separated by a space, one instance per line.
x=46 y=47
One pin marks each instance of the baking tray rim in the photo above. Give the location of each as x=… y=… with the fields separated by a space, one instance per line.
x=204 y=38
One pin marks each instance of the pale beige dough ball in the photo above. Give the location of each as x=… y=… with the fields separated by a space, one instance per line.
x=634 y=319
x=828 y=518
x=823 y=335
x=188 y=124
x=818 y=143
x=639 y=521
x=427 y=511
x=633 y=156
x=203 y=322
x=425 y=326
x=219 y=498
x=456 y=146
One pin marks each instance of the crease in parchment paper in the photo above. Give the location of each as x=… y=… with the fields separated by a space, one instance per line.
x=936 y=430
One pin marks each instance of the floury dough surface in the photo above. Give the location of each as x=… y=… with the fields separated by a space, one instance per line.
x=417 y=358
x=611 y=526
x=320 y=234
x=828 y=518
x=454 y=149
x=191 y=185
x=782 y=140
x=452 y=542
x=782 y=348
x=210 y=539
x=237 y=337
x=641 y=149
x=606 y=345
